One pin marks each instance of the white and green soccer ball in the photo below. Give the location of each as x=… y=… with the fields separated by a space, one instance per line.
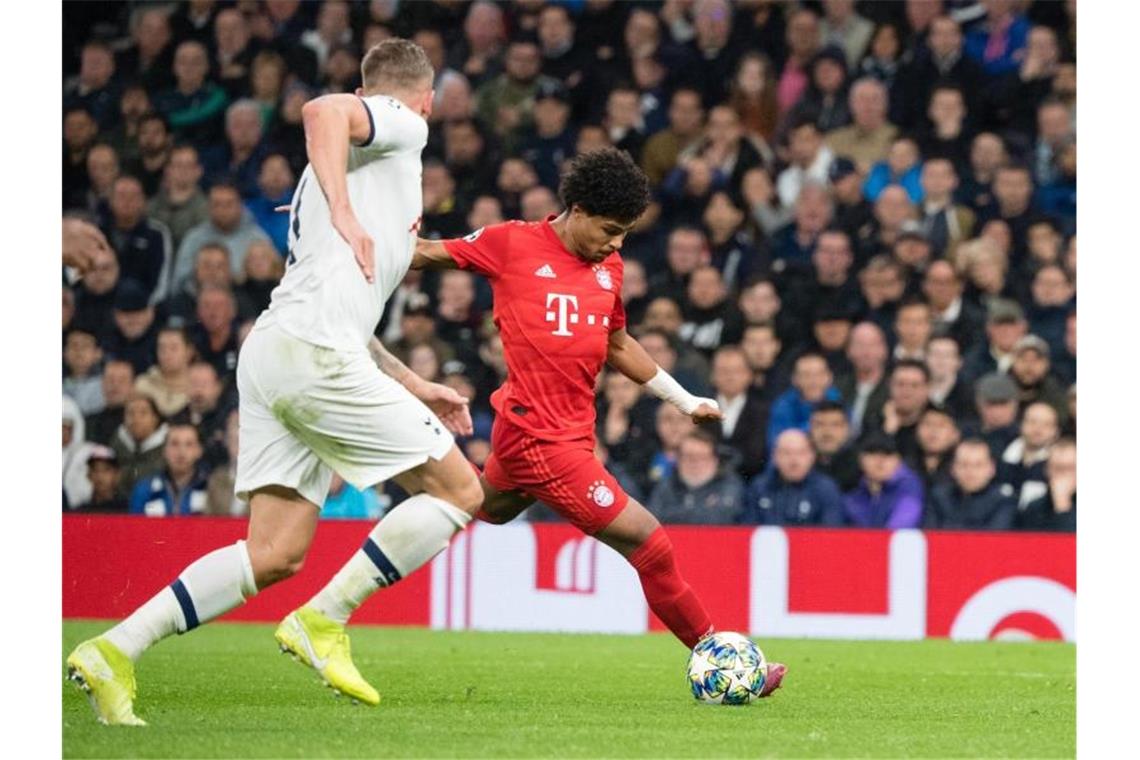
x=727 y=668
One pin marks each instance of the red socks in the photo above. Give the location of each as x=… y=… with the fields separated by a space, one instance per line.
x=669 y=596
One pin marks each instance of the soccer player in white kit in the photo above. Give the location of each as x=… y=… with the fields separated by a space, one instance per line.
x=313 y=401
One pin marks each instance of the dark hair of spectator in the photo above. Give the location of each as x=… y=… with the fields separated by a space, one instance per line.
x=976 y=442
x=155 y=116
x=149 y=402
x=767 y=324
x=912 y=301
x=811 y=354
x=802 y=121
x=902 y=364
x=395 y=64
x=176 y=330
x=606 y=183
x=184 y=146
x=826 y=406
x=704 y=436
x=941 y=333
x=183 y=424
x=670 y=341
x=226 y=183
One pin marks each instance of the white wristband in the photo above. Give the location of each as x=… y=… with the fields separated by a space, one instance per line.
x=666 y=388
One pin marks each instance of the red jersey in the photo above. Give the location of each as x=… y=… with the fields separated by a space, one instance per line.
x=555 y=313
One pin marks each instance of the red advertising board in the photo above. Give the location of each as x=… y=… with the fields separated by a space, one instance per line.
x=769 y=581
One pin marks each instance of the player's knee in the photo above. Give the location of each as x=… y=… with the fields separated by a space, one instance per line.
x=273 y=564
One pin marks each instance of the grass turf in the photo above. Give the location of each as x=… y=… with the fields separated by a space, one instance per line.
x=224 y=692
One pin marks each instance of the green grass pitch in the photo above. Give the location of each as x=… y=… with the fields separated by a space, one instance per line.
x=224 y=691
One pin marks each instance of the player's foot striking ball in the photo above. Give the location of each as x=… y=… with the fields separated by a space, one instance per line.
x=558 y=308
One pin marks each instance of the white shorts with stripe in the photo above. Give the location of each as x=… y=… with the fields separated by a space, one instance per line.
x=306 y=411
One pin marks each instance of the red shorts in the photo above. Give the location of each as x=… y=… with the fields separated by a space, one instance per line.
x=564 y=474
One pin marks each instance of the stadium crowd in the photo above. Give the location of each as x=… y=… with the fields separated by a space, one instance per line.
x=862 y=241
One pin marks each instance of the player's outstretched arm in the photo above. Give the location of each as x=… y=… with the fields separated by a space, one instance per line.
x=628 y=357
x=331 y=123
x=432 y=254
x=448 y=405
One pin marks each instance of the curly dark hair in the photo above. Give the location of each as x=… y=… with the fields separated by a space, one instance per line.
x=606 y=183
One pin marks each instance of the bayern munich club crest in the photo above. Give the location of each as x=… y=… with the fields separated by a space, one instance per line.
x=601 y=494
x=604 y=278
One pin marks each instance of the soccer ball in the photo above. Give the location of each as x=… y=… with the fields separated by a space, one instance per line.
x=727 y=669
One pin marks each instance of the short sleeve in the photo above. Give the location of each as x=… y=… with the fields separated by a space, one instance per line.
x=393 y=126
x=483 y=251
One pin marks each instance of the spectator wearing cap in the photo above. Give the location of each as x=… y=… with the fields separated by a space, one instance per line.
x=831 y=329
x=824 y=102
x=75 y=448
x=745 y=414
x=811 y=384
x=913 y=327
x=853 y=212
x=1052 y=298
x=1056 y=509
x=1030 y=371
x=940 y=61
x=142 y=244
x=1023 y=461
x=167 y=382
x=944 y=359
x=275 y=183
x=791 y=491
x=830 y=434
x=809 y=160
x=869 y=137
x=945 y=223
x=889 y=494
x=550 y=140
x=902 y=166
x=135 y=334
x=229 y=223
x=117 y=382
x=1005 y=325
x=952 y=314
x=180 y=203
x=936 y=435
x=907 y=397
x=138 y=442
x=82 y=380
x=732 y=247
x=506 y=102
x=865 y=389
x=194 y=106
x=974 y=498
x=686 y=122
x=995 y=398
x=103 y=475
x=699 y=490
x=178 y=488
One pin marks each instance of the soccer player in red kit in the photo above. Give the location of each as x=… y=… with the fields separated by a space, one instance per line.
x=557 y=304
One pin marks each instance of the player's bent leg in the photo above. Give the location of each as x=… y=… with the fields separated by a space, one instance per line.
x=281 y=528
x=500 y=507
x=446 y=495
x=638 y=536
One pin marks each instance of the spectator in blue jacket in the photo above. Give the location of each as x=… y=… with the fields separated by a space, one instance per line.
x=889 y=494
x=974 y=499
x=179 y=489
x=811 y=384
x=903 y=166
x=998 y=43
x=791 y=491
x=275 y=185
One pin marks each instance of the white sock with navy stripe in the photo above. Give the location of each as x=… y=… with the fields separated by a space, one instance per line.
x=211 y=586
x=407 y=538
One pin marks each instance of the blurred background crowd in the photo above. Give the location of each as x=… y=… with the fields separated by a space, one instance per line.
x=862 y=240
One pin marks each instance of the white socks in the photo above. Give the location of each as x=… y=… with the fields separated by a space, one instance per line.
x=211 y=586
x=408 y=536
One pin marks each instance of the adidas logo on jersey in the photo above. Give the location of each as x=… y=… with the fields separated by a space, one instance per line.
x=545 y=271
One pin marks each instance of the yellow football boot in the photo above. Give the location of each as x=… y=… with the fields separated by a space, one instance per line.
x=321 y=643
x=107 y=676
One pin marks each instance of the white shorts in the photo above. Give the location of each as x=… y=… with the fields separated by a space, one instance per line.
x=306 y=411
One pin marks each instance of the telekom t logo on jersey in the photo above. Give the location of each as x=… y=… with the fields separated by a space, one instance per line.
x=563 y=310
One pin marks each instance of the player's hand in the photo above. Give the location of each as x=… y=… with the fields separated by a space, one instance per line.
x=80 y=242
x=451 y=408
x=346 y=223
x=708 y=410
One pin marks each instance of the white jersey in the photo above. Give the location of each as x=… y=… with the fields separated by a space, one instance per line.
x=323 y=299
